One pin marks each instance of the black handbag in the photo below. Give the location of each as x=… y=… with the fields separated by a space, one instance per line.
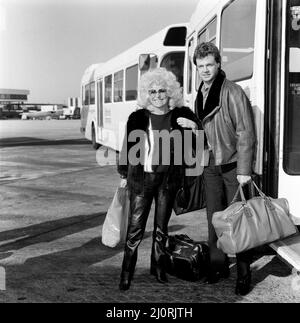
x=187 y=259
x=191 y=196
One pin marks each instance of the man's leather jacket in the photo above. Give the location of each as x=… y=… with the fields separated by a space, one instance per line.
x=228 y=123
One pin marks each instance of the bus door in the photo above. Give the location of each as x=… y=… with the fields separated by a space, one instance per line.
x=189 y=81
x=100 y=108
x=289 y=170
x=174 y=62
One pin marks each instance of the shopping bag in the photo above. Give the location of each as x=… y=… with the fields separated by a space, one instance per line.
x=251 y=223
x=114 y=228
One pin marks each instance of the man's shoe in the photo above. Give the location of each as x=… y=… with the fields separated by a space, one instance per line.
x=225 y=272
x=243 y=285
x=213 y=277
x=159 y=274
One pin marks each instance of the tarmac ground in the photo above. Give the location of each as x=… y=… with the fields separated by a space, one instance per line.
x=54 y=197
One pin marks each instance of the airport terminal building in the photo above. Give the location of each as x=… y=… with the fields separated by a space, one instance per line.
x=10 y=101
x=11 y=96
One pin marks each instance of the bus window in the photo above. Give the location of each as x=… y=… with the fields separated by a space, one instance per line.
x=131 y=82
x=174 y=62
x=108 y=89
x=86 y=94
x=208 y=34
x=118 y=86
x=190 y=65
x=175 y=36
x=238 y=51
x=291 y=150
x=147 y=62
x=92 y=93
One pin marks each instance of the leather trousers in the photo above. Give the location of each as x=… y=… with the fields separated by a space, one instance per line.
x=140 y=205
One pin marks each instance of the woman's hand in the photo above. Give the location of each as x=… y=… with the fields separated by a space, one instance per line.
x=186 y=123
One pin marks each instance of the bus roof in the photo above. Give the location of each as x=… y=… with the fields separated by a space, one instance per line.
x=203 y=9
x=88 y=74
x=129 y=57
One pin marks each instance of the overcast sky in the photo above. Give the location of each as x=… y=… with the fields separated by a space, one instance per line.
x=45 y=45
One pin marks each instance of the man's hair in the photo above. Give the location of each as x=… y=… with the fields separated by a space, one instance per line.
x=204 y=49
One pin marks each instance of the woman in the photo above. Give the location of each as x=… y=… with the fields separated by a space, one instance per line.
x=153 y=178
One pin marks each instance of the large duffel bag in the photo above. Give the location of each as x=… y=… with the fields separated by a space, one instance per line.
x=248 y=224
x=187 y=259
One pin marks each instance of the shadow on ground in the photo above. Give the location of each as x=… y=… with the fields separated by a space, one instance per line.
x=90 y=272
x=31 y=141
x=26 y=234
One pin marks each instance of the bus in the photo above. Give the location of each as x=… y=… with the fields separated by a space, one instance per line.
x=109 y=90
x=259 y=41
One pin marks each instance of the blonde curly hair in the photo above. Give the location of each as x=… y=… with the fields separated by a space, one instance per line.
x=160 y=76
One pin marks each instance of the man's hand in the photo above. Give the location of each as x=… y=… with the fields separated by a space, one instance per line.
x=186 y=123
x=243 y=179
x=123 y=182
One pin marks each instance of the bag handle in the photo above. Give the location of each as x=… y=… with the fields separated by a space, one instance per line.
x=241 y=192
x=260 y=192
x=267 y=199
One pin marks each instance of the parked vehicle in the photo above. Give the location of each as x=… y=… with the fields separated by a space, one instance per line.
x=10 y=111
x=39 y=115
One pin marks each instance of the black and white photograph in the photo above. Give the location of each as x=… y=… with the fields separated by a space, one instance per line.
x=149 y=154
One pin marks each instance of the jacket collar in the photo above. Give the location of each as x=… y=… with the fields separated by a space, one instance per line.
x=140 y=118
x=213 y=97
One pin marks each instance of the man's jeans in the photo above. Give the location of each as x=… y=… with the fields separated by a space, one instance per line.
x=220 y=186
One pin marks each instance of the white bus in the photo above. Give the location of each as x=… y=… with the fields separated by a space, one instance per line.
x=259 y=42
x=109 y=90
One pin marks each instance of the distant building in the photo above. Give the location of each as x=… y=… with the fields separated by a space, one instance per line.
x=11 y=96
x=73 y=109
x=73 y=102
x=10 y=101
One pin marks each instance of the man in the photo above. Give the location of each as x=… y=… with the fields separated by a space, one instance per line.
x=227 y=119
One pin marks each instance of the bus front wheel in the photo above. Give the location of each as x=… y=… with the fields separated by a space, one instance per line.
x=94 y=143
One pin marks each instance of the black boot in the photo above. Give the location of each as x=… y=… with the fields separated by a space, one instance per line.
x=125 y=281
x=128 y=268
x=158 y=257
